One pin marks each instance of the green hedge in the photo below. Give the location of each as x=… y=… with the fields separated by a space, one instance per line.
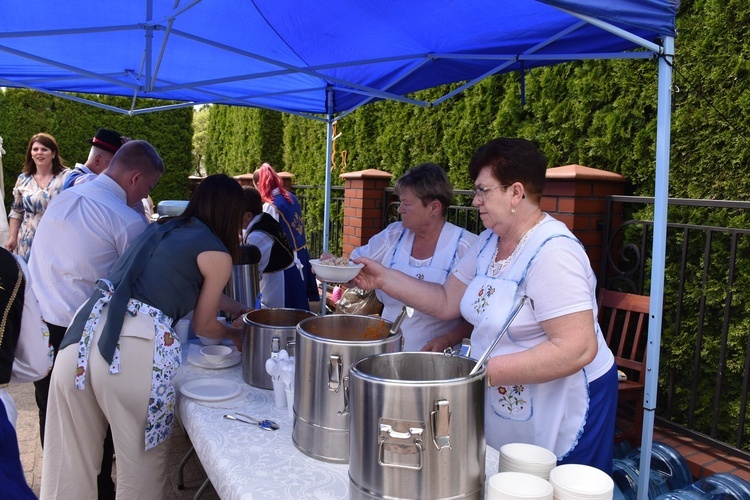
x=24 y=113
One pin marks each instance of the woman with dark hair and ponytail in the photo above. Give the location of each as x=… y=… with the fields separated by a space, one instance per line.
x=119 y=357
x=300 y=286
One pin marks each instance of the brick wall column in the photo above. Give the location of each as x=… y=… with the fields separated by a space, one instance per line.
x=286 y=180
x=363 y=206
x=245 y=179
x=574 y=194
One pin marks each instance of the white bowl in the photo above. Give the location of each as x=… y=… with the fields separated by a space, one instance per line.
x=528 y=458
x=581 y=482
x=208 y=341
x=335 y=274
x=216 y=354
x=518 y=486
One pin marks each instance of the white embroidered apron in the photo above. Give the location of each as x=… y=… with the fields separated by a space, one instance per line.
x=167 y=358
x=550 y=414
x=420 y=328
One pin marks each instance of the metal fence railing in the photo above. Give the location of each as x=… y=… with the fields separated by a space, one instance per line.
x=704 y=373
x=311 y=200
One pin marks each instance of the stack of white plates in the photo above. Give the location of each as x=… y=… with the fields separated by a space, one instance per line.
x=527 y=458
x=518 y=486
x=581 y=482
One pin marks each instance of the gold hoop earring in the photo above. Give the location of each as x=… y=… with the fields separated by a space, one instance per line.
x=512 y=211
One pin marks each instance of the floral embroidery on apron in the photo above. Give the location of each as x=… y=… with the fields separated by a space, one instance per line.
x=166 y=361
x=482 y=298
x=511 y=400
x=521 y=413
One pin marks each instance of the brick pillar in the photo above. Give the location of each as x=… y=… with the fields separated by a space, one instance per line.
x=574 y=194
x=245 y=179
x=286 y=180
x=363 y=206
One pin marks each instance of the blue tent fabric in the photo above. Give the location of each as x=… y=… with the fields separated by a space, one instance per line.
x=302 y=56
x=649 y=15
x=324 y=59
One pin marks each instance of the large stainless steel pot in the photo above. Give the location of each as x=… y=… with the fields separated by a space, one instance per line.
x=416 y=427
x=326 y=347
x=244 y=283
x=260 y=328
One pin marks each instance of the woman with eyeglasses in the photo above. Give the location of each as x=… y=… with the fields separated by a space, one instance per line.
x=425 y=246
x=552 y=380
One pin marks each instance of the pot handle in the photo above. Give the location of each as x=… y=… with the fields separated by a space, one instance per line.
x=335 y=370
x=441 y=418
x=400 y=443
x=345 y=411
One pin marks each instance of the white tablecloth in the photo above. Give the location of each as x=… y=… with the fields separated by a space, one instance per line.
x=246 y=462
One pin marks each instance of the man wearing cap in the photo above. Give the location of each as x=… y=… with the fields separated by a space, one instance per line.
x=82 y=234
x=103 y=147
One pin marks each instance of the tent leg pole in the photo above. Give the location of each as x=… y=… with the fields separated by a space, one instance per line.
x=661 y=203
x=327 y=202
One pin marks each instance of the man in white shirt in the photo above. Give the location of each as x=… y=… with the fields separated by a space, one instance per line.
x=82 y=234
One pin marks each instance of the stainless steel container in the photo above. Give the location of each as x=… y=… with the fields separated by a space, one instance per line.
x=244 y=283
x=260 y=328
x=326 y=347
x=416 y=427
x=171 y=208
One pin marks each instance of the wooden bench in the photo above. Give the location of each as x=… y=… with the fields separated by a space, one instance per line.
x=623 y=318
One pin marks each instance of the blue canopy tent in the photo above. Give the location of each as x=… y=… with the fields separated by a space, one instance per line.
x=323 y=60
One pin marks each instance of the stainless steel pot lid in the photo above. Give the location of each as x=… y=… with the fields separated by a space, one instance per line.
x=171 y=207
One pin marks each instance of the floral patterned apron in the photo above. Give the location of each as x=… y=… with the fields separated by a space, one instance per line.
x=550 y=414
x=420 y=329
x=167 y=358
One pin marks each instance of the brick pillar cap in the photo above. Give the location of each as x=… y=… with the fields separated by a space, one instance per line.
x=581 y=172
x=244 y=177
x=370 y=173
x=286 y=176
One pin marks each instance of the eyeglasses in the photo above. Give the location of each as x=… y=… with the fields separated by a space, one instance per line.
x=479 y=192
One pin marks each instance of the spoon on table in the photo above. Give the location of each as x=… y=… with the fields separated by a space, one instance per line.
x=266 y=425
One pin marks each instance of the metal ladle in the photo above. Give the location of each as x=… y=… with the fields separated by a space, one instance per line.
x=486 y=353
x=399 y=319
x=266 y=425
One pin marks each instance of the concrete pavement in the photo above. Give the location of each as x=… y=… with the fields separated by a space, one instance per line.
x=27 y=428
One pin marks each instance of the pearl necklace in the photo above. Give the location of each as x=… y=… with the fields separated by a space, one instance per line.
x=498 y=266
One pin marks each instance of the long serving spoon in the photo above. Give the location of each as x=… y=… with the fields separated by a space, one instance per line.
x=399 y=319
x=487 y=352
x=266 y=425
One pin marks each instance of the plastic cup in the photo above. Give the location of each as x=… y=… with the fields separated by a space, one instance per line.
x=182 y=329
x=290 y=401
x=279 y=393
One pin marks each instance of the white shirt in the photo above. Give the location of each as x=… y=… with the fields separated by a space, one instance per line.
x=82 y=234
x=271 y=284
x=392 y=247
x=87 y=176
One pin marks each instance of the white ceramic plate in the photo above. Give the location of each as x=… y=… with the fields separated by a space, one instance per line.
x=199 y=360
x=210 y=389
x=335 y=274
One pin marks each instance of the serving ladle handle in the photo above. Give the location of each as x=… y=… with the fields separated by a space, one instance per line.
x=486 y=353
